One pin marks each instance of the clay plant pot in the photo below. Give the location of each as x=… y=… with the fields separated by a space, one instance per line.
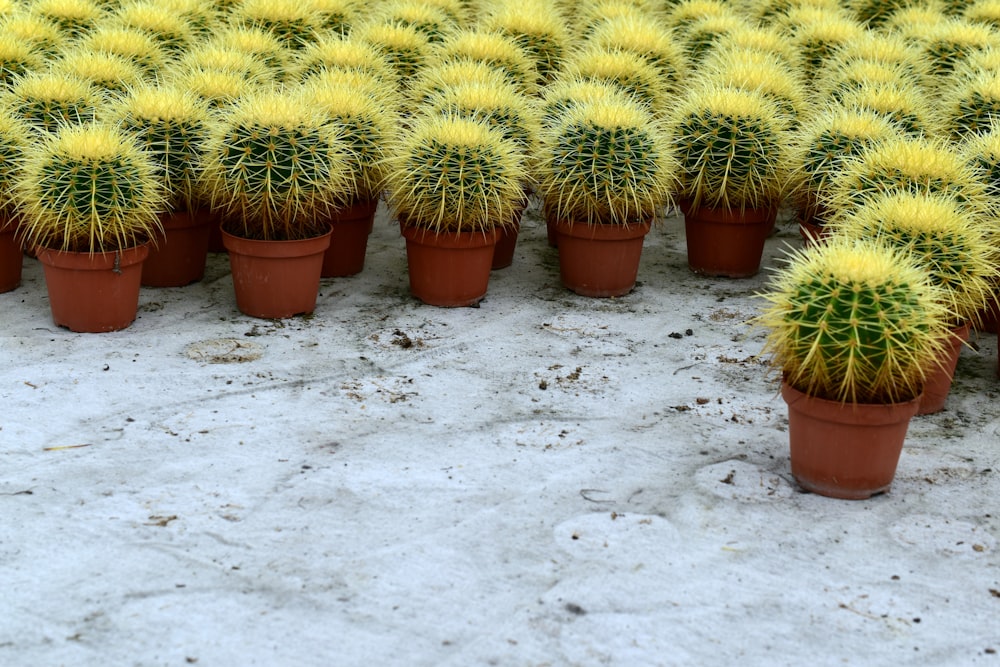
x=93 y=293
x=177 y=258
x=550 y=231
x=349 y=241
x=503 y=253
x=989 y=316
x=845 y=450
x=939 y=378
x=11 y=256
x=812 y=232
x=214 y=220
x=600 y=260
x=726 y=243
x=276 y=279
x=448 y=269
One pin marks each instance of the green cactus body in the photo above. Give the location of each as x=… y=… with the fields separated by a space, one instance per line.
x=945 y=238
x=172 y=32
x=732 y=147
x=36 y=32
x=203 y=17
x=681 y=15
x=438 y=78
x=74 y=18
x=105 y=71
x=854 y=321
x=430 y=21
x=334 y=52
x=453 y=174
x=492 y=48
x=566 y=92
x=982 y=153
x=14 y=138
x=648 y=39
x=904 y=105
x=538 y=29
x=593 y=14
x=876 y=13
x=755 y=70
x=762 y=40
x=134 y=45
x=257 y=43
x=850 y=75
x=374 y=88
x=907 y=164
x=405 y=47
x=296 y=24
x=819 y=34
x=337 y=16
x=985 y=12
x=217 y=88
x=973 y=105
x=889 y=49
x=823 y=142
x=948 y=43
x=213 y=56
x=17 y=59
x=276 y=167
x=632 y=73
x=606 y=162
x=703 y=36
x=89 y=188
x=49 y=100
x=501 y=107
x=172 y=124
x=366 y=127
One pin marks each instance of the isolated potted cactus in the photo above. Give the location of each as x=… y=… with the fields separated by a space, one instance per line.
x=853 y=326
x=953 y=244
x=605 y=173
x=14 y=138
x=452 y=181
x=89 y=195
x=172 y=124
x=275 y=167
x=733 y=152
x=366 y=122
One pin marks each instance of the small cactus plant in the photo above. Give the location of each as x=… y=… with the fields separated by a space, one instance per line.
x=566 y=92
x=335 y=52
x=17 y=59
x=905 y=105
x=135 y=45
x=635 y=75
x=645 y=37
x=854 y=321
x=606 y=162
x=454 y=174
x=818 y=34
x=732 y=148
x=14 y=140
x=972 y=105
x=73 y=17
x=89 y=188
x=947 y=240
x=764 y=72
x=406 y=48
x=434 y=23
x=172 y=124
x=36 y=32
x=494 y=49
x=295 y=23
x=537 y=27
x=49 y=100
x=337 y=16
x=170 y=30
x=275 y=166
x=107 y=72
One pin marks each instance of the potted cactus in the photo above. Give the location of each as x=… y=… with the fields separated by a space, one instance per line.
x=366 y=123
x=452 y=181
x=952 y=243
x=733 y=146
x=89 y=196
x=605 y=172
x=982 y=151
x=172 y=124
x=13 y=140
x=275 y=167
x=853 y=326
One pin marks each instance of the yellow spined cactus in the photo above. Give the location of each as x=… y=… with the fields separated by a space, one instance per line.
x=494 y=49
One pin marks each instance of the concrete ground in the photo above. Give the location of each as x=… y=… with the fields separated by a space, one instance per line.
x=544 y=480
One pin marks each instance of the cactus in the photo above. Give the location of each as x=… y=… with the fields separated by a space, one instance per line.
x=768 y=12
x=106 y=72
x=889 y=49
x=17 y=59
x=982 y=153
x=818 y=34
x=203 y=17
x=703 y=36
x=296 y=24
x=905 y=105
x=972 y=105
x=432 y=22
x=366 y=128
x=172 y=32
x=406 y=48
x=648 y=39
x=256 y=43
x=986 y=12
x=766 y=73
x=373 y=87
x=134 y=45
x=845 y=76
x=906 y=164
x=947 y=43
x=494 y=49
x=632 y=73
x=501 y=107
x=214 y=56
x=275 y=167
x=172 y=124
x=36 y=32
x=732 y=148
x=565 y=93
x=337 y=16
x=590 y=15
x=876 y=13
x=51 y=99
x=438 y=78
x=217 y=88
x=854 y=321
x=453 y=174
x=766 y=40
x=679 y=16
x=538 y=28
x=74 y=18
x=14 y=141
x=946 y=239
x=606 y=162
x=334 y=52
x=820 y=145
x=89 y=188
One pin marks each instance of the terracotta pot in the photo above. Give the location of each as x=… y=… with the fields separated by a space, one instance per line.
x=600 y=260
x=726 y=243
x=214 y=221
x=989 y=316
x=11 y=256
x=939 y=378
x=349 y=241
x=93 y=293
x=178 y=256
x=449 y=269
x=845 y=450
x=275 y=279
x=812 y=232
x=503 y=254
x=550 y=231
